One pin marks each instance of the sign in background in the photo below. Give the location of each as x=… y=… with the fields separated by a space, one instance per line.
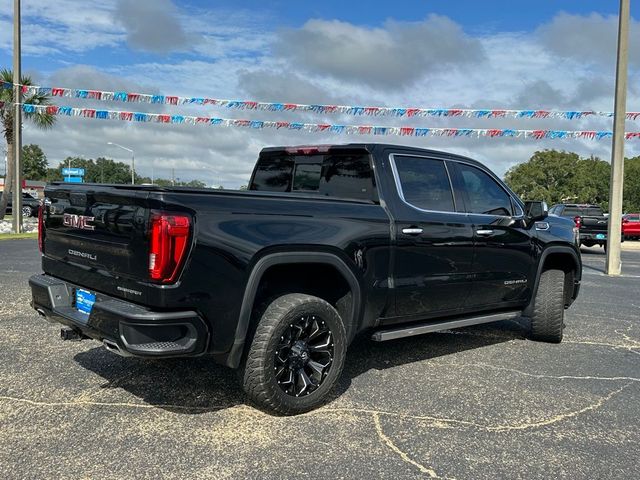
x=73 y=175
x=74 y=172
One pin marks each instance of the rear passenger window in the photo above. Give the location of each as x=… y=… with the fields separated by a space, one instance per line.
x=425 y=183
x=484 y=194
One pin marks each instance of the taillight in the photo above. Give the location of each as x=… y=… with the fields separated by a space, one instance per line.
x=168 y=246
x=41 y=228
x=578 y=221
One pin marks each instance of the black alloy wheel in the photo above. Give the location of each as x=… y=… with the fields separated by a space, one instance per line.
x=304 y=356
x=296 y=355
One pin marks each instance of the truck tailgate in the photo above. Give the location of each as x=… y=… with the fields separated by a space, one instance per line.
x=594 y=224
x=97 y=237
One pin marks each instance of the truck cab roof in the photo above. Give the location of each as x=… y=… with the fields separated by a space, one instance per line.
x=366 y=147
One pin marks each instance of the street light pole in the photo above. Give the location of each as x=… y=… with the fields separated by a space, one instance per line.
x=17 y=120
x=133 y=160
x=614 y=265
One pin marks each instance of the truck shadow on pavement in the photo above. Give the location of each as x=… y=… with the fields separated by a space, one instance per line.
x=197 y=385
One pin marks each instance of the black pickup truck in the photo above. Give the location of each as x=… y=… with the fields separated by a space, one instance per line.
x=590 y=221
x=327 y=243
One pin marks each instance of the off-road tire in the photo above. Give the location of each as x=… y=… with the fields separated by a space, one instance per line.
x=258 y=376
x=547 y=321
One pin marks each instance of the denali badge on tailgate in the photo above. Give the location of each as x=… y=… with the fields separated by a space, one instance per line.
x=78 y=221
x=76 y=253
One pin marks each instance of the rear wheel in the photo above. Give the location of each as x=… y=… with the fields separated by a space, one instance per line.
x=547 y=321
x=296 y=356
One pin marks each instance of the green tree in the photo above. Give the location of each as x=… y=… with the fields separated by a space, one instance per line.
x=39 y=119
x=34 y=163
x=558 y=176
x=631 y=203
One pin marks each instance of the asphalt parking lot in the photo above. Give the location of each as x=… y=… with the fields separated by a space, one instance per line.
x=481 y=402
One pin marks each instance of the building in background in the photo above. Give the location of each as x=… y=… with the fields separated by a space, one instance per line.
x=33 y=187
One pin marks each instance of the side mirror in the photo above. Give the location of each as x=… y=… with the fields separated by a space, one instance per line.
x=536 y=211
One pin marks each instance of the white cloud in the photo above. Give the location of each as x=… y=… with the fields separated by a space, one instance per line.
x=65 y=26
x=151 y=25
x=396 y=55
x=590 y=39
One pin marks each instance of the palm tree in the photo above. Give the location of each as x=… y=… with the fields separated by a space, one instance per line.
x=39 y=118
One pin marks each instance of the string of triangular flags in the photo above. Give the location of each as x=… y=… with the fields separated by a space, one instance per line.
x=97 y=114
x=355 y=110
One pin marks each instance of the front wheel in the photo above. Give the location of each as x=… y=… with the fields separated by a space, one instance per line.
x=27 y=211
x=296 y=356
x=547 y=321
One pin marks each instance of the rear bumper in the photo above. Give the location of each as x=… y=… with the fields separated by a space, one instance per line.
x=125 y=328
x=592 y=236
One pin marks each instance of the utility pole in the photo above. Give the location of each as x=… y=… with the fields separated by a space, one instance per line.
x=614 y=265
x=17 y=120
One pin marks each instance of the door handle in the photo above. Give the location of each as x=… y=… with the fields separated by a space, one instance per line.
x=412 y=231
x=484 y=233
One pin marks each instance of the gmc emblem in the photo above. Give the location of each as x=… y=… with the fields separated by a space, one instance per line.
x=77 y=221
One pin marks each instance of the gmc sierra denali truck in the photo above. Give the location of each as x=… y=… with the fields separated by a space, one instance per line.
x=590 y=220
x=327 y=243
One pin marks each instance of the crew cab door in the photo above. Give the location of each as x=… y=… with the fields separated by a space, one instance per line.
x=433 y=252
x=503 y=261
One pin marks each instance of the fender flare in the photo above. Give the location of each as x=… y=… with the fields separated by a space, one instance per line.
x=543 y=257
x=261 y=266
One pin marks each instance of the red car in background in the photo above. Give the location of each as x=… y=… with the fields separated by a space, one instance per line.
x=631 y=226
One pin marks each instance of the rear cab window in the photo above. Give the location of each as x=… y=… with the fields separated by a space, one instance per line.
x=582 y=212
x=338 y=175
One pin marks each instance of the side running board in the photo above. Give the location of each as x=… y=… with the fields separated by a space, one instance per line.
x=421 y=328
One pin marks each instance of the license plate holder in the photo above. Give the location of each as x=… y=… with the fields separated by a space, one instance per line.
x=84 y=300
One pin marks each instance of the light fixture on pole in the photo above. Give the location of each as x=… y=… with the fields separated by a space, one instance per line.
x=133 y=160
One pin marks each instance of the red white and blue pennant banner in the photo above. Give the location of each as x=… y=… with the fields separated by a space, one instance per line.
x=407 y=112
x=318 y=127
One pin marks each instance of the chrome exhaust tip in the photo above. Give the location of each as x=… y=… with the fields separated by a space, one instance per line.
x=114 y=348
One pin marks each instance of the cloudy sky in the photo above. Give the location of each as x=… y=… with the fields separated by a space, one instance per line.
x=547 y=54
